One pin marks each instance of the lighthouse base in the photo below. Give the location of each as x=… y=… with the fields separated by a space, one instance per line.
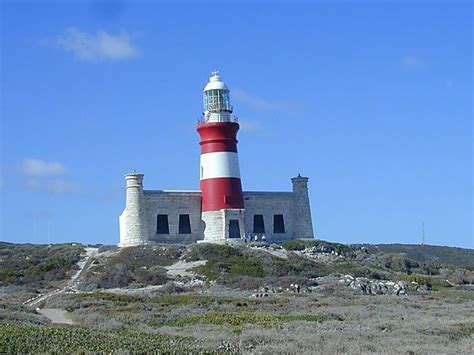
x=223 y=226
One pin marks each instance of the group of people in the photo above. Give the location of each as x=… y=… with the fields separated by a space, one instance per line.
x=249 y=238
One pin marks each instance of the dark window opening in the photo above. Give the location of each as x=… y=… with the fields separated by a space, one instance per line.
x=184 y=224
x=278 y=224
x=234 y=228
x=258 y=224
x=162 y=226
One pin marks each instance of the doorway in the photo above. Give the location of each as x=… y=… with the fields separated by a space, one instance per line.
x=234 y=228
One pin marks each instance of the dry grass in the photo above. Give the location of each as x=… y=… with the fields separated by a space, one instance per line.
x=322 y=322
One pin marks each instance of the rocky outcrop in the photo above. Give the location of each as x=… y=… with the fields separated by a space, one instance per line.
x=320 y=253
x=375 y=287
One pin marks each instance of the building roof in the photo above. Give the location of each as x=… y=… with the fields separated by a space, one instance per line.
x=215 y=82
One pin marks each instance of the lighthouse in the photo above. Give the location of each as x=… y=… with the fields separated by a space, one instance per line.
x=219 y=212
x=222 y=202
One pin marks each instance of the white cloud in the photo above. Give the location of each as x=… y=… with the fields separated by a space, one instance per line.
x=38 y=167
x=410 y=62
x=54 y=187
x=96 y=47
x=261 y=104
x=250 y=126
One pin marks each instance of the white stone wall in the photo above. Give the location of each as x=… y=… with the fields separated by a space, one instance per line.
x=174 y=203
x=216 y=224
x=138 y=222
x=269 y=204
x=213 y=222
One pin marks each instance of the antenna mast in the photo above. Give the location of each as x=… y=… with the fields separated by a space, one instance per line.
x=423 y=233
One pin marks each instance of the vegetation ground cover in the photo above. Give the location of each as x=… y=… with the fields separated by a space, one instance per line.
x=15 y=338
x=37 y=265
x=219 y=313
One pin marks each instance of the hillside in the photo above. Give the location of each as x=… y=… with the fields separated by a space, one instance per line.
x=301 y=296
x=458 y=257
x=37 y=266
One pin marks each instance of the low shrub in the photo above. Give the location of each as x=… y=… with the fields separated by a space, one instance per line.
x=399 y=262
x=38 y=265
x=431 y=282
x=236 y=320
x=207 y=251
x=142 y=265
x=16 y=339
x=246 y=269
x=301 y=244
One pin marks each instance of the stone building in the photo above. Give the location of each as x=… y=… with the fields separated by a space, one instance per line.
x=220 y=212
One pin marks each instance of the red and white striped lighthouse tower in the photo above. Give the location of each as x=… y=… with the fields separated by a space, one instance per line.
x=221 y=188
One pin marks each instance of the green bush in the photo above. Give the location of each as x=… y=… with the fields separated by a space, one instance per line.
x=301 y=244
x=207 y=251
x=141 y=265
x=431 y=282
x=399 y=262
x=218 y=268
x=37 y=265
x=244 y=268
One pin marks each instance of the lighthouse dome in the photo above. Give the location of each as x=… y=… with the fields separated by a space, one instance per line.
x=215 y=83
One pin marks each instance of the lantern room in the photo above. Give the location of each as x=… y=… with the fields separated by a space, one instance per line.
x=217 y=107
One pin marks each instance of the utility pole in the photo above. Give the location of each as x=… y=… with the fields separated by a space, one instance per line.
x=423 y=233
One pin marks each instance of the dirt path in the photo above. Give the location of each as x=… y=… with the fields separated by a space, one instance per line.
x=72 y=283
x=280 y=253
x=56 y=315
x=181 y=268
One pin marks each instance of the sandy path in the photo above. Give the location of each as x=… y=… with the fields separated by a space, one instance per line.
x=72 y=283
x=181 y=268
x=280 y=253
x=56 y=315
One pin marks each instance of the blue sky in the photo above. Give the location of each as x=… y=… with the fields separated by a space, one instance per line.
x=371 y=100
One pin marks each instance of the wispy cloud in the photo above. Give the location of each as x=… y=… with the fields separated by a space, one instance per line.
x=94 y=47
x=411 y=62
x=45 y=175
x=54 y=187
x=250 y=126
x=261 y=104
x=38 y=167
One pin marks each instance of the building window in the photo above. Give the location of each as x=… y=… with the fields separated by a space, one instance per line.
x=184 y=224
x=278 y=224
x=162 y=226
x=258 y=224
x=234 y=229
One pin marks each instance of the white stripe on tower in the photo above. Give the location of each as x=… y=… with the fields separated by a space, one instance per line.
x=219 y=165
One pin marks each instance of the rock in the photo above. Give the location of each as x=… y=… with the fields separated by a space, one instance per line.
x=267 y=289
x=400 y=288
